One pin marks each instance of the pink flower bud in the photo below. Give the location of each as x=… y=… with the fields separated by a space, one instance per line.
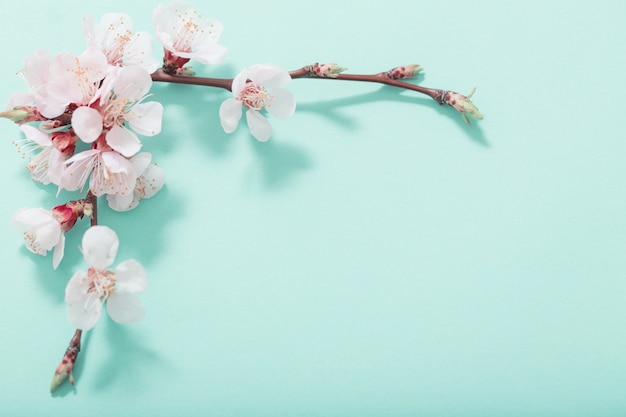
x=326 y=70
x=405 y=71
x=21 y=114
x=65 y=142
x=66 y=215
x=463 y=105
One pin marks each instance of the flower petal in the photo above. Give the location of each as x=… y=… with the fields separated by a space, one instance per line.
x=258 y=125
x=38 y=136
x=120 y=202
x=123 y=140
x=87 y=123
x=230 y=114
x=153 y=180
x=132 y=83
x=78 y=169
x=59 y=250
x=268 y=75
x=100 y=245
x=283 y=104
x=146 y=118
x=130 y=276
x=124 y=307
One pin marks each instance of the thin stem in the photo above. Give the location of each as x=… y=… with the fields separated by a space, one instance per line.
x=161 y=76
x=304 y=72
x=93 y=199
x=435 y=94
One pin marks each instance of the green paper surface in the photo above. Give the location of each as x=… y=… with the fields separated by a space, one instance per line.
x=377 y=256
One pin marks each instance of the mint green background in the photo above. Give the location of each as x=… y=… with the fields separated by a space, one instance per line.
x=376 y=257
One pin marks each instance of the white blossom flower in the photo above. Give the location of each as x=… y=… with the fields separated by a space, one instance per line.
x=184 y=34
x=87 y=292
x=149 y=181
x=255 y=88
x=114 y=36
x=116 y=103
x=108 y=173
x=42 y=232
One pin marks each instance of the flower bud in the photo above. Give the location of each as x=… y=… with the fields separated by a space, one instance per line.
x=65 y=142
x=405 y=71
x=66 y=215
x=463 y=105
x=326 y=70
x=21 y=114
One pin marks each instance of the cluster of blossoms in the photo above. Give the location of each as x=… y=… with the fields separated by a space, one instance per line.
x=83 y=118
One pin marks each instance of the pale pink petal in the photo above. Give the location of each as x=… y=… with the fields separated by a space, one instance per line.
x=268 y=75
x=90 y=31
x=59 y=250
x=47 y=105
x=153 y=180
x=239 y=82
x=258 y=125
x=132 y=83
x=49 y=235
x=56 y=166
x=210 y=54
x=114 y=175
x=79 y=167
x=122 y=202
x=124 y=307
x=20 y=98
x=33 y=134
x=99 y=247
x=141 y=161
x=123 y=140
x=36 y=68
x=95 y=62
x=83 y=308
x=131 y=276
x=146 y=118
x=139 y=52
x=30 y=217
x=87 y=123
x=230 y=114
x=283 y=104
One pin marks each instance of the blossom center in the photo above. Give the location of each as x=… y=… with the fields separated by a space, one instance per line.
x=102 y=283
x=83 y=76
x=255 y=97
x=115 y=110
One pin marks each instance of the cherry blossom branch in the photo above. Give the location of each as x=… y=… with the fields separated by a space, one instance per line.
x=459 y=102
x=66 y=366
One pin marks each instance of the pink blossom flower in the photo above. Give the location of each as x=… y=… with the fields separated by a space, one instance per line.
x=185 y=35
x=36 y=74
x=108 y=172
x=114 y=36
x=75 y=79
x=86 y=293
x=256 y=88
x=116 y=103
x=150 y=180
